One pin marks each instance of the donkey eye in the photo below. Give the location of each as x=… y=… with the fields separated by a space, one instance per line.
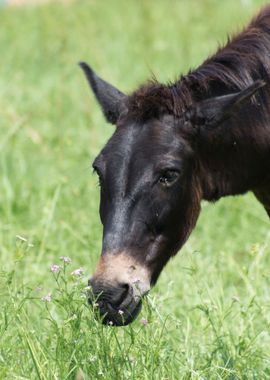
x=97 y=171
x=168 y=178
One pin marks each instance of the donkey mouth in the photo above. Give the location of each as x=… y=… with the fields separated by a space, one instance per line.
x=119 y=316
x=119 y=313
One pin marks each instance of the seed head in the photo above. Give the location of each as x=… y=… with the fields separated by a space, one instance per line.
x=235 y=299
x=21 y=238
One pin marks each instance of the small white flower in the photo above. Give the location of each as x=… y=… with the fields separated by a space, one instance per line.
x=92 y=358
x=65 y=259
x=47 y=297
x=120 y=312
x=111 y=323
x=78 y=272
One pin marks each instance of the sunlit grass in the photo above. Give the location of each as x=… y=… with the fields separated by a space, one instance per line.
x=208 y=317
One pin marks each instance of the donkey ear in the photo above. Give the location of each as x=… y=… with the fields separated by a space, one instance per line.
x=110 y=99
x=213 y=111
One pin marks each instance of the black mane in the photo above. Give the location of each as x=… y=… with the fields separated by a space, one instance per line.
x=234 y=67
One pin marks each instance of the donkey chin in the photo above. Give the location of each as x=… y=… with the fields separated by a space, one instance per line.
x=117 y=288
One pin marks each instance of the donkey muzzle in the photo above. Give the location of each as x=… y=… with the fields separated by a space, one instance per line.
x=117 y=305
x=117 y=288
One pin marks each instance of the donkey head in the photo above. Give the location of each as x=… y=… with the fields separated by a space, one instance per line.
x=150 y=190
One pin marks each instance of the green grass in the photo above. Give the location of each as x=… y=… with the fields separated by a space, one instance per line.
x=209 y=315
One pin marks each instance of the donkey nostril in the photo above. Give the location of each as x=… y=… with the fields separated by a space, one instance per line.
x=124 y=292
x=108 y=294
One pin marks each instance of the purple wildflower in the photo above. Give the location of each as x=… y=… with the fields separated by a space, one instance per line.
x=47 y=298
x=65 y=259
x=55 y=268
x=144 y=321
x=77 y=272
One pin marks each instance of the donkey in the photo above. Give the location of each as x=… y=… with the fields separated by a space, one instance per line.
x=205 y=136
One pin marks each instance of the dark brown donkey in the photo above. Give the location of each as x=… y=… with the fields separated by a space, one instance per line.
x=204 y=137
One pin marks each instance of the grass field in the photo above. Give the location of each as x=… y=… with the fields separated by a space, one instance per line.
x=209 y=315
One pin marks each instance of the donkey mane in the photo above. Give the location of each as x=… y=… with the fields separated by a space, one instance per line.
x=234 y=67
